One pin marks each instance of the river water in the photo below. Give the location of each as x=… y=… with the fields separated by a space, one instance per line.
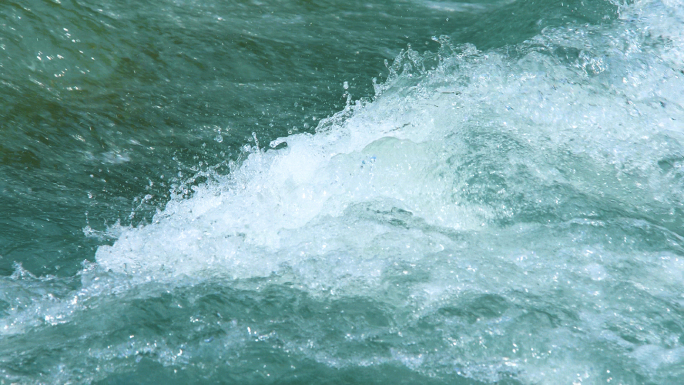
x=336 y=192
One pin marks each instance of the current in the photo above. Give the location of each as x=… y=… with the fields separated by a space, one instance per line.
x=341 y=192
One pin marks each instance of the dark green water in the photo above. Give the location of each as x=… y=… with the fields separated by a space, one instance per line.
x=296 y=192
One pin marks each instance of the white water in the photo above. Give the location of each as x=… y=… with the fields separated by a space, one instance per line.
x=577 y=111
x=543 y=180
x=551 y=170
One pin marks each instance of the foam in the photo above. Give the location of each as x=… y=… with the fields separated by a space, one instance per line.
x=596 y=124
x=553 y=169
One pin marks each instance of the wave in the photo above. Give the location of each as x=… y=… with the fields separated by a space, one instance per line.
x=517 y=209
x=579 y=122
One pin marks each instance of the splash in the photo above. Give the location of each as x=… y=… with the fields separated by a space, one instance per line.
x=512 y=214
x=458 y=142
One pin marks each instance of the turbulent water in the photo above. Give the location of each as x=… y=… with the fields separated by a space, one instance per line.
x=336 y=192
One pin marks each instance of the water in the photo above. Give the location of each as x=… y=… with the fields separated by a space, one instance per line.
x=432 y=192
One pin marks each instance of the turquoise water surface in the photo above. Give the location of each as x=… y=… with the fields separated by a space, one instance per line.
x=341 y=192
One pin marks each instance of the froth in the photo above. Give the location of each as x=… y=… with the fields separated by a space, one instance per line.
x=481 y=140
x=510 y=214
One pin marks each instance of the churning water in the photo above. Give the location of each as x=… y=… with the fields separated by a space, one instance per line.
x=417 y=192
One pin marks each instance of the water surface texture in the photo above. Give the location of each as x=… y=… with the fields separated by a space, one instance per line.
x=341 y=192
